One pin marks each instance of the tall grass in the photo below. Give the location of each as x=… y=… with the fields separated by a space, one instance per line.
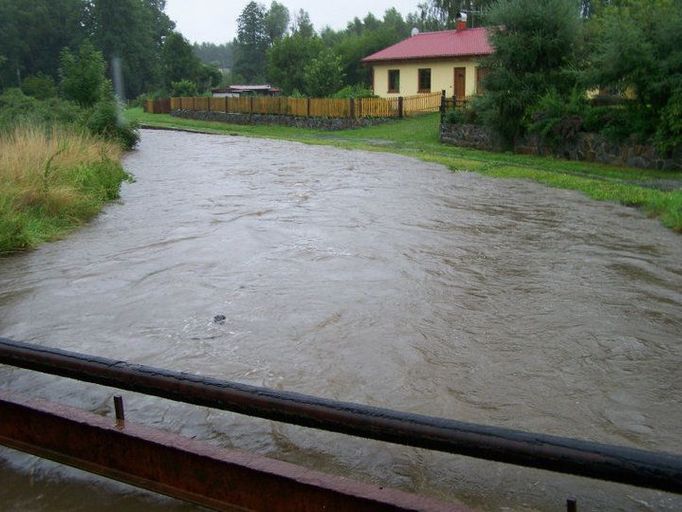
x=51 y=180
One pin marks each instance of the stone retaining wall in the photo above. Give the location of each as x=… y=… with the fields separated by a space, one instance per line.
x=588 y=147
x=318 y=123
x=469 y=136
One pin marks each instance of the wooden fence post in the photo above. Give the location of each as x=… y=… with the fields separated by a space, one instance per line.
x=443 y=107
x=400 y=107
x=251 y=105
x=208 y=108
x=351 y=108
x=308 y=107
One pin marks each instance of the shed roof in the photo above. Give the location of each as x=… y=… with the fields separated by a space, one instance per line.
x=428 y=45
x=246 y=88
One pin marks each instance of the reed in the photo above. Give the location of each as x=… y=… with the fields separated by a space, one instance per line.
x=52 y=180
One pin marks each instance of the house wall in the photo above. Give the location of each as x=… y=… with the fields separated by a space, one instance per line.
x=442 y=76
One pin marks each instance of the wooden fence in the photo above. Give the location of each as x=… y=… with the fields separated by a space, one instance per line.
x=311 y=107
x=162 y=106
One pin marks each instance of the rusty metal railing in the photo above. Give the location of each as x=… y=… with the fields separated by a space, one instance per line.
x=655 y=470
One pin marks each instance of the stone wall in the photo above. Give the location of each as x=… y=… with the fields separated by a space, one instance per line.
x=469 y=136
x=318 y=123
x=588 y=147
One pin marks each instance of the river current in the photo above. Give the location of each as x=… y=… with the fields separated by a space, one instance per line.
x=363 y=277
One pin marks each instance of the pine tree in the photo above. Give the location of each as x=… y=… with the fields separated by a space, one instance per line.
x=251 y=44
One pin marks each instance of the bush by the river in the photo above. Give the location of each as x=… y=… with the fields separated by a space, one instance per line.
x=103 y=118
x=547 y=59
x=51 y=180
x=59 y=154
x=18 y=108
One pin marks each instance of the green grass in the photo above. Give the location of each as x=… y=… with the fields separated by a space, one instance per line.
x=658 y=193
x=51 y=181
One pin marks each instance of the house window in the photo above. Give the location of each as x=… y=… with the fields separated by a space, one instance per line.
x=393 y=80
x=425 y=80
x=481 y=73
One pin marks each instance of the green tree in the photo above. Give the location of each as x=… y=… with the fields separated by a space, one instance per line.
x=426 y=18
x=364 y=37
x=287 y=60
x=208 y=76
x=178 y=61
x=276 y=22
x=447 y=10
x=104 y=119
x=394 y=23
x=536 y=45
x=302 y=24
x=251 y=44
x=161 y=24
x=183 y=88
x=32 y=35
x=39 y=86
x=638 y=51
x=82 y=75
x=219 y=55
x=130 y=30
x=324 y=75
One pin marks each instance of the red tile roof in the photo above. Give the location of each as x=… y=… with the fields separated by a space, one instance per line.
x=428 y=45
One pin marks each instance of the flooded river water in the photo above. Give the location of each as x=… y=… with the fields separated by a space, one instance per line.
x=361 y=277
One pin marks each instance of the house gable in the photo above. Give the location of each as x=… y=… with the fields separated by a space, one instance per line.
x=449 y=58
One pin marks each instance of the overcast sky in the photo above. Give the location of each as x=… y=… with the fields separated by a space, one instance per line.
x=215 y=21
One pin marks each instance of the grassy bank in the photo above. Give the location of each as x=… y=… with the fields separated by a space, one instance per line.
x=657 y=193
x=52 y=180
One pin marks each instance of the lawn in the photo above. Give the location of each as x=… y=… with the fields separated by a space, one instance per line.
x=657 y=193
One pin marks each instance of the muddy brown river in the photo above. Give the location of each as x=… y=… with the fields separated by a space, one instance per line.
x=362 y=277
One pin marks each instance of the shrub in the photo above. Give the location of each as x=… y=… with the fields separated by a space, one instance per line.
x=82 y=75
x=183 y=88
x=17 y=108
x=669 y=133
x=40 y=86
x=557 y=117
x=536 y=42
x=461 y=115
x=618 y=123
x=105 y=120
x=638 y=50
x=354 y=91
x=323 y=75
x=13 y=235
x=154 y=95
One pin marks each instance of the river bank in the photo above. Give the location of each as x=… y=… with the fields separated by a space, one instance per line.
x=657 y=193
x=51 y=181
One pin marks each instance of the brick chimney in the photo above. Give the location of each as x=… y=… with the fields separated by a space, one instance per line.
x=461 y=21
